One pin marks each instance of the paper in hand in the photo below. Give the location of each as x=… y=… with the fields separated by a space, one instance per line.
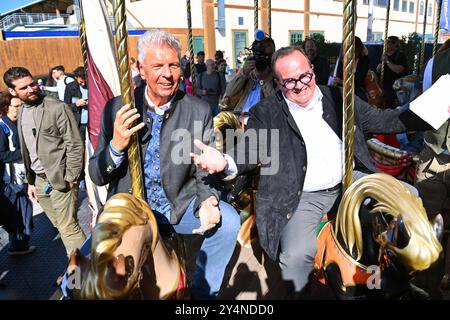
x=432 y=105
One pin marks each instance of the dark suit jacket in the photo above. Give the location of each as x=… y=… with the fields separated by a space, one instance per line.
x=73 y=90
x=188 y=118
x=279 y=194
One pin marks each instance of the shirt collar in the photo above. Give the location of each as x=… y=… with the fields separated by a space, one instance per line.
x=316 y=99
x=158 y=110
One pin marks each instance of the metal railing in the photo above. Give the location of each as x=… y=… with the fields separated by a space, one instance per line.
x=18 y=19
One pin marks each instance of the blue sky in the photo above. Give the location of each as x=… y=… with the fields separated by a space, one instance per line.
x=8 y=5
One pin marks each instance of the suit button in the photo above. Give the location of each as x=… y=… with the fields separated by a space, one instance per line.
x=302 y=143
x=288 y=216
x=304 y=168
x=299 y=193
x=130 y=190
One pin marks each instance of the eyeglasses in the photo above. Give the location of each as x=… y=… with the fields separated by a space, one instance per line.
x=304 y=78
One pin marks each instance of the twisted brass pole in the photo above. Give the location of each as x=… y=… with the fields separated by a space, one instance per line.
x=422 y=48
x=386 y=29
x=348 y=91
x=82 y=35
x=121 y=38
x=437 y=27
x=191 y=47
x=82 y=31
x=270 y=18
x=256 y=15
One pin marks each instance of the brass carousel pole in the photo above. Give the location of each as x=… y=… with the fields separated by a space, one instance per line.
x=83 y=41
x=437 y=27
x=386 y=29
x=348 y=90
x=422 y=47
x=121 y=38
x=255 y=17
x=270 y=18
x=191 y=47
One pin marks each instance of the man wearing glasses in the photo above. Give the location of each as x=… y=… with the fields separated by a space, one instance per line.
x=292 y=201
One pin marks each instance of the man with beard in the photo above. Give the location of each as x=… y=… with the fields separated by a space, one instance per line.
x=52 y=152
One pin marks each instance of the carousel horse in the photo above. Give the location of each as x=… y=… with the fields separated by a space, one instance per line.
x=380 y=226
x=128 y=259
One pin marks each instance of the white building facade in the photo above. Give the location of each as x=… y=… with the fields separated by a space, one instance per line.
x=289 y=20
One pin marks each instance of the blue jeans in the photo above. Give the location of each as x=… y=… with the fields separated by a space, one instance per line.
x=215 y=252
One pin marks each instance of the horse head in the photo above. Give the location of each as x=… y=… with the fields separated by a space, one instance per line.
x=127 y=259
x=380 y=226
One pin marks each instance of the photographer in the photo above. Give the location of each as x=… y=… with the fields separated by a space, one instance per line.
x=256 y=81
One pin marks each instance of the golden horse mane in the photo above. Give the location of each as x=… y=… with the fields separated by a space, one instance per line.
x=121 y=212
x=395 y=199
x=224 y=120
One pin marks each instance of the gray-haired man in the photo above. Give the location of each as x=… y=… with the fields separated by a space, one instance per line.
x=178 y=193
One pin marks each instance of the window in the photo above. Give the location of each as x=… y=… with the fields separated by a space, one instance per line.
x=411 y=7
x=239 y=43
x=396 y=5
x=430 y=10
x=377 y=36
x=404 y=6
x=421 y=8
x=317 y=32
x=295 y=37
x=378 y=3
x=199 y=43
x=241 y=21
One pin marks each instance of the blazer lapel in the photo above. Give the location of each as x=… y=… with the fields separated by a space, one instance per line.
x=329 y=114
x=39 y=116
x=290 y=118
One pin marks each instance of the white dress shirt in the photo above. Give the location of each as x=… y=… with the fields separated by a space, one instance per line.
x=323 y=146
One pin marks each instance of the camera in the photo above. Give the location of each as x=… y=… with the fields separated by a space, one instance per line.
x=259 y=50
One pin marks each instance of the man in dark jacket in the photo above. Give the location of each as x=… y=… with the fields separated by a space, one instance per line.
x=178 y=193
x=300 y=129
x=76 y=96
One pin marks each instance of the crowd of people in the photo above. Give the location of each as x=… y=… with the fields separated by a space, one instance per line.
x=44 y=131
